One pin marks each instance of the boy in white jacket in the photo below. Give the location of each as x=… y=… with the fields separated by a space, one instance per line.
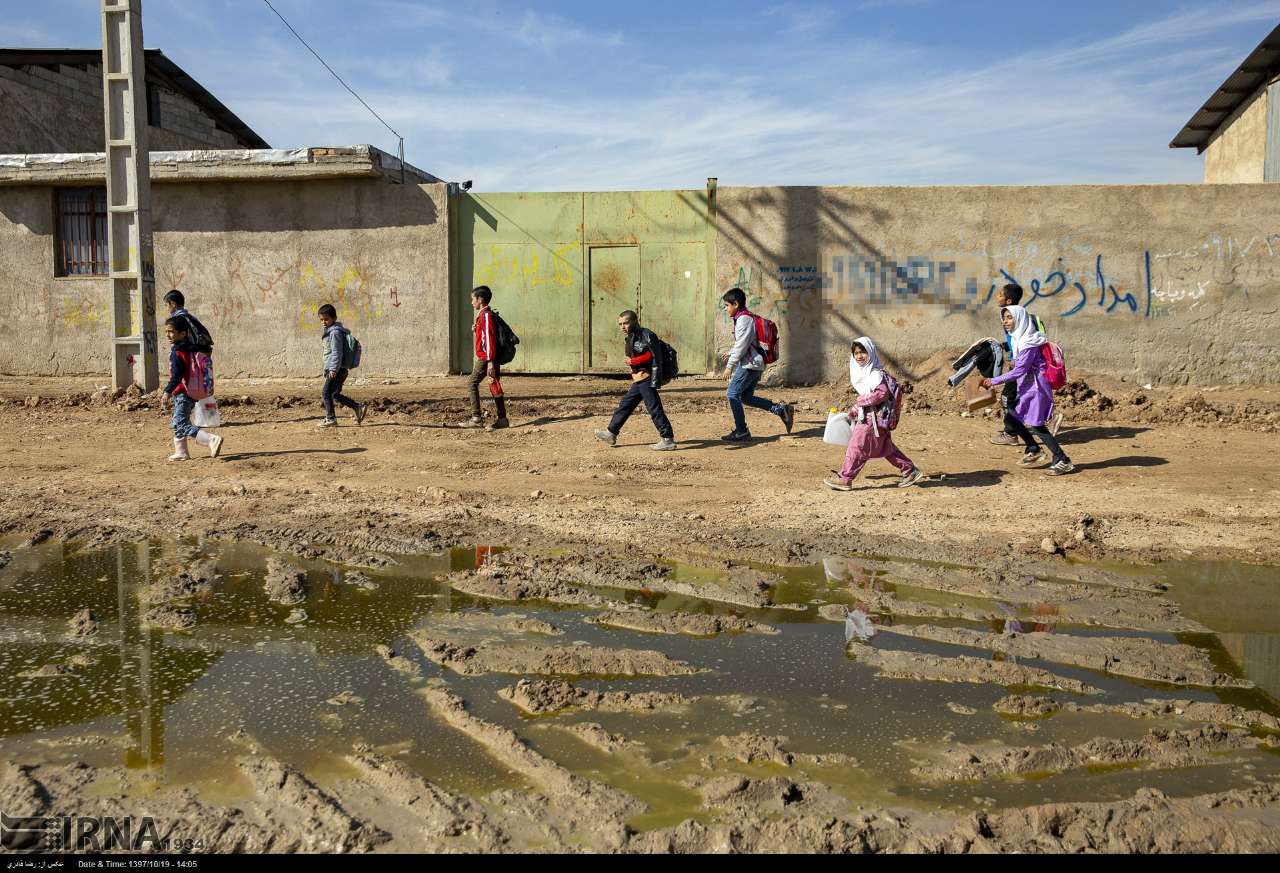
x=744 y=368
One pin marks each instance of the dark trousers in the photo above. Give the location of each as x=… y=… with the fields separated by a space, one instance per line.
x=1009 y=400
x=333 y=391
x=642 y=390
x=478 y=371
x=1024 y=432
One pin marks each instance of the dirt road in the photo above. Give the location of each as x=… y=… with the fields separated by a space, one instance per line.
x=1152 y=490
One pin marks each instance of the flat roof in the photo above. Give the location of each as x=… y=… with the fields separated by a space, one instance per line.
x=159 y=68
x=1262 y=65
x=217 y=165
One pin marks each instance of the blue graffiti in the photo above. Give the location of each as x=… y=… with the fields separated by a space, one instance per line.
x=858 y=280
x=1055 y=283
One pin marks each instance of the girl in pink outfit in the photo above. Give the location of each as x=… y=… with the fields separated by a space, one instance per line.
x=869 y=441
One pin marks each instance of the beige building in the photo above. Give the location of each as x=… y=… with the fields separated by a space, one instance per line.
x=1238 y=128
x=51 y=101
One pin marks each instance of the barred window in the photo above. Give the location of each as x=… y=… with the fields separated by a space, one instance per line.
x=81 y=236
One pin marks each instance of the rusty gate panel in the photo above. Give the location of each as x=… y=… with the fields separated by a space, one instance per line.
x=674 y=300
x=539 y=294
x=615 y=286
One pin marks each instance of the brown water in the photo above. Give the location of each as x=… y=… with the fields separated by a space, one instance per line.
x=173 y=701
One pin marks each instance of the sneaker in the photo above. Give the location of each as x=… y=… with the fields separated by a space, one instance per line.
x=1060 y=468
x=215 y=445
x=910 y=477
x=607 y=436
x=499 y=424
x=1030 y=459
x=328 y=422
x=837 y=484
x=738 y=436
x=788 y=415
x=1005 y=439
x=361 y=411
x=666 y=444
x=473 y=421
x=1057 y=423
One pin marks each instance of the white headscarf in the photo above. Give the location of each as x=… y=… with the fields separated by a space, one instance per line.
x=1024 y=334
x=867 y=377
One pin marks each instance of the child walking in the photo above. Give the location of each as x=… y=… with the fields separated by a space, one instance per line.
x=335 y=371
x=869 y=439
x=1035 y=399
x=180 y=355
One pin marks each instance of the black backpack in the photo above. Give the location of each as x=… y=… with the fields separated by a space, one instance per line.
x=664 y=355
x=198 y=335
x=507 y=339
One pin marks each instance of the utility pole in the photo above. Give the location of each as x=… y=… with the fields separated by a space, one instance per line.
x=133 y=275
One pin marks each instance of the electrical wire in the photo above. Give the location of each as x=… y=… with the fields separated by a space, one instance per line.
x=331 y=70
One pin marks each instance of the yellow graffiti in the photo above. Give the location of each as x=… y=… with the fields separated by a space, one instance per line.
x=352 y=296
x=523 y=268
x=83 y=314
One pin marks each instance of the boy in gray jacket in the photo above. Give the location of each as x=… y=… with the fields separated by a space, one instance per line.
x=335 y=374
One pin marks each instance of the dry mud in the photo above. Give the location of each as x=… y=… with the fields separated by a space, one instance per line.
x=1159 y=748
x=1136 y=657
x=543 y=660
x=1197 y=711
x=892 y=664
x=544 y=697
x=694 y=625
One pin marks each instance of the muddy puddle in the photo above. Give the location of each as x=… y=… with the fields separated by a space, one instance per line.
x=193 y=652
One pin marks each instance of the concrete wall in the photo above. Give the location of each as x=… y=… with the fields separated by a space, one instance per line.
x=59 y=109
x=1167 y=284
x=255 y=260
x=1238 y=151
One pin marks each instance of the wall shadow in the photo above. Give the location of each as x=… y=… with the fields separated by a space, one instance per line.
x=295 y=205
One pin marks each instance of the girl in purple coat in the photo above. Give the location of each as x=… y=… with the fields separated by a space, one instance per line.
x=1035 y=398
x=868 y=440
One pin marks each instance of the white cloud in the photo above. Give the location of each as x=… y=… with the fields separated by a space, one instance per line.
x=846 y=111
x=801 y=18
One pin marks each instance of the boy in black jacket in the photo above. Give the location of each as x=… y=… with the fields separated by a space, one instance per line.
x=641 y=353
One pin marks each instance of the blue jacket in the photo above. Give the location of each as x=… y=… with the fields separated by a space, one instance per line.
x=179 y=362
x=335 y=347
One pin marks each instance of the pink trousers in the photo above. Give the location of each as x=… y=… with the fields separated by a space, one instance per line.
x=865 y=445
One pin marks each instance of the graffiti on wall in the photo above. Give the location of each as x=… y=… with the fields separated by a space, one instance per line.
x=526 y=266
x=85 y=312
x=1064 y=279
x=352 y=293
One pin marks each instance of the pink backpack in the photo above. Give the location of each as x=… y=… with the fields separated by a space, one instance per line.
x=199 y=381
x=1055 y=365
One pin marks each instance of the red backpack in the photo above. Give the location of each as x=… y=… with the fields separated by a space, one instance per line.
x=767 y=338
x=1055 y=366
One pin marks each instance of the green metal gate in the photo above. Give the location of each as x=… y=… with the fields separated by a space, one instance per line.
x=562 y=266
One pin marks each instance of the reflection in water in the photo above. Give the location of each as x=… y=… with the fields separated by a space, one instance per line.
x=173 y=700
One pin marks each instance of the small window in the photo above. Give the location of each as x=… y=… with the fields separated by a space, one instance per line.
x=153 y=105
x=81 y=232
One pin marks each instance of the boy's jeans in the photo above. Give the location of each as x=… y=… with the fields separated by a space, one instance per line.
x=478 y=371
x=333 y=391
x=742 y=389
x=183 y=406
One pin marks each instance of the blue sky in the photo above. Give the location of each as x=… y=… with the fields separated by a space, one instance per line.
x=604 y=96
